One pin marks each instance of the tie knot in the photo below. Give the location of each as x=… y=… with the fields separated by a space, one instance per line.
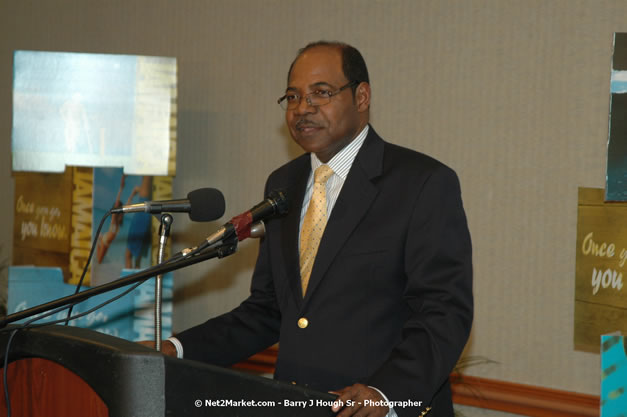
x=322 y=174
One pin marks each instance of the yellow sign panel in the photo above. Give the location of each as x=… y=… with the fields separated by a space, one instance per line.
x=42 y=225
x=600 y=293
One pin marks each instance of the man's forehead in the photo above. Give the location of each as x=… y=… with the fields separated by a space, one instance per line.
x=318 y=65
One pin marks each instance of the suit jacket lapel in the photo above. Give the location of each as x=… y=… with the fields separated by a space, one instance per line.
x=354 y=200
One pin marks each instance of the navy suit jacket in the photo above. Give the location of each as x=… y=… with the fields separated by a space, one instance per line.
x=389 y=301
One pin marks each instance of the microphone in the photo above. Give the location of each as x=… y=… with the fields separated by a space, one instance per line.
x=248 y=224
x=274 y=203
x=203 y=205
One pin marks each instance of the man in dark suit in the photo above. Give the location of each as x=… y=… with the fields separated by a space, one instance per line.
x=367 y=282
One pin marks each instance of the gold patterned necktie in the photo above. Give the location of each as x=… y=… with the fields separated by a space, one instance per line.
x=313 y=224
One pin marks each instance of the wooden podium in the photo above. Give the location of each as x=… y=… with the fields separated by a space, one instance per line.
x=68 y=371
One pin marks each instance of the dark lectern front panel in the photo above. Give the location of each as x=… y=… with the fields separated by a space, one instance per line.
x=136 y=381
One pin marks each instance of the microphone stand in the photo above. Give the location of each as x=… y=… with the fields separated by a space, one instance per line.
x=227 y=248
x=164 y=232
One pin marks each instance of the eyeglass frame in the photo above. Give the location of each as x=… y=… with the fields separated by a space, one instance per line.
x=308 y=100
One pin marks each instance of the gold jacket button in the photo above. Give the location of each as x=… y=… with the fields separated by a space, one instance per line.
x=303 y=322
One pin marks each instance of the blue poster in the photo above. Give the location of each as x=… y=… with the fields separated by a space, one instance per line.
x=613 y=376
x=125 y=240
x=130 y=317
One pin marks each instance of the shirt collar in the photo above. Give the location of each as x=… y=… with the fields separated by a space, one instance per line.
x=342 y=161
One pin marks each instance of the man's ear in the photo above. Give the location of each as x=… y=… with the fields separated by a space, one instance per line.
x=362 y=97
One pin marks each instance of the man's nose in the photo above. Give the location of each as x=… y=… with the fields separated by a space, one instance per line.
x=304 y=106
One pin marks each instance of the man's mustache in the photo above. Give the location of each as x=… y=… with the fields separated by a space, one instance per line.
x=301 y=123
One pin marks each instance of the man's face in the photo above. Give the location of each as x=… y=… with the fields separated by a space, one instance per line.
x=326 y=129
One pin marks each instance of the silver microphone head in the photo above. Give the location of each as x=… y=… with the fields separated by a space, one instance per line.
x=257 y=229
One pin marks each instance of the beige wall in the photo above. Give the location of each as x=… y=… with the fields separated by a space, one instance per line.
x=512 y=94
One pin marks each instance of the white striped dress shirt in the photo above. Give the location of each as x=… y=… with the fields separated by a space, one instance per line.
x=341 y=163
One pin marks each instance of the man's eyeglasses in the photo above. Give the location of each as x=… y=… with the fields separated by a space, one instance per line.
x=318 y=98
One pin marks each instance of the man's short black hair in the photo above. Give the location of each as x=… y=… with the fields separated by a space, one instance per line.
x=353 y=64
